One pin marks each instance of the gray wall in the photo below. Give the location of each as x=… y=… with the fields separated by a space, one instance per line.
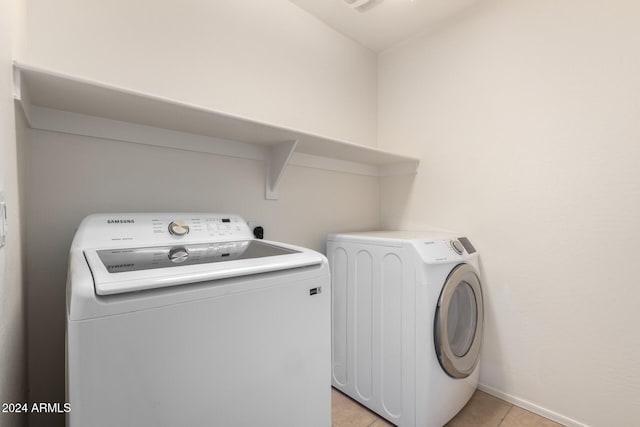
x=268 y=61
x=72 y=176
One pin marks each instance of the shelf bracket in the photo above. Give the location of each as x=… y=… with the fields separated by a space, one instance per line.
x=278 y=156
x=21 y=95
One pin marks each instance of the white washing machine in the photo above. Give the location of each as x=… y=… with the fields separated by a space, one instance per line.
x=407 y=323
x=187 y=320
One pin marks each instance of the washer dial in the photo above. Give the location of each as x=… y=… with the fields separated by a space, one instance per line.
x=178 y=255
x=178 y=228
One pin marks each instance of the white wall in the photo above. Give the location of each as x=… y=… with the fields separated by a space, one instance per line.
x=12 y=305
x=525 y=114
x=266 y=60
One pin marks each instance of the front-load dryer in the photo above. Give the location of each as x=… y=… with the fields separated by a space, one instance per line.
x=407 y=323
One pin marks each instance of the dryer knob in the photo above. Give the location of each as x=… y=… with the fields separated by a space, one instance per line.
x=178 y=228
x=178 y=255
x=457 y=246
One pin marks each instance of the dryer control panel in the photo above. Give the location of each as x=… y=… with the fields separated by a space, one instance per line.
x=444 y=250
x=467 y=245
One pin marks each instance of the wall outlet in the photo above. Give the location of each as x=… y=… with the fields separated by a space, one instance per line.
x=3 y=220
x=252 y=226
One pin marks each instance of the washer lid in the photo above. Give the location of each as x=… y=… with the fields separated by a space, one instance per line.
x=123 y=270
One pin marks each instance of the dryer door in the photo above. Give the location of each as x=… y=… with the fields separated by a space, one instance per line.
x=459 y=321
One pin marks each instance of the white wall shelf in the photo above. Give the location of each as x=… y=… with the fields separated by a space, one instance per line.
x=64 y=103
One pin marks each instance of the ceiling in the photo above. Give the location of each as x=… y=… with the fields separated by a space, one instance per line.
x=379 y=24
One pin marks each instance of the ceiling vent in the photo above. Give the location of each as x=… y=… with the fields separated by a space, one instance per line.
x=363 y=5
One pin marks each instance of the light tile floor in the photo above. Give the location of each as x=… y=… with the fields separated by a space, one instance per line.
x=483 y=410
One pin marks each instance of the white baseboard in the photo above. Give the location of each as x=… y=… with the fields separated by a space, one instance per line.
x=532 y=407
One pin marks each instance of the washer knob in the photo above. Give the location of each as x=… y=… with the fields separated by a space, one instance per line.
x=457 y=246
x=178 y=228
x=178 y=255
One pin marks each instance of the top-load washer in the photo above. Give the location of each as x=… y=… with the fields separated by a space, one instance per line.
x=186 y=320
x=407 y=323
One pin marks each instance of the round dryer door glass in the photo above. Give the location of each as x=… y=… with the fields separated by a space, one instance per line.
x=458 y=322
x=462 y=319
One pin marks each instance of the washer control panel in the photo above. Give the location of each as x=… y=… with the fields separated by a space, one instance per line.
x=150 y=229
x=217 y=226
